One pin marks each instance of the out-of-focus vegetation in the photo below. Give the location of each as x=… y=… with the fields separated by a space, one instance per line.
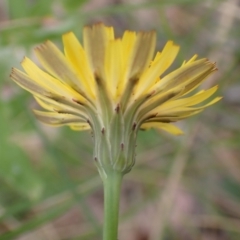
x=185 y=187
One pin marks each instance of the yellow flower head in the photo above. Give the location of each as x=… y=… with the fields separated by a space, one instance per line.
x=112 y=86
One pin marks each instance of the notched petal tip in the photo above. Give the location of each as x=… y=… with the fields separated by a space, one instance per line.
x=68 y=33
x=95 y=25
x=23 y=60
x=146 y=33
x=208 y=62
x=172 y=43
x=42 y=46
x=12 y=72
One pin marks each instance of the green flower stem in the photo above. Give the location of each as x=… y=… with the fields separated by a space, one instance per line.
x=112 y=189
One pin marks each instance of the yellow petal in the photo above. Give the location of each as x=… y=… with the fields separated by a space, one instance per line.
x=197 y=82
x=138 y=61
x=128 y=42
x=28 y=84
x=80 y=127
x=53 y=60
x=156 y=101
x=215 y=100
x=142 y=54
x=95 y=40
x=48 y=82
x=184 y=75
x=171 y=118
x=172 y=129
x=38 y=91
x=179 y=111
x=176 y=112
x=113 y=65
x=191 y=60
x=56 y=106
x=58 y=119
x=77 y=57
x=160 y=64
x=190 y=101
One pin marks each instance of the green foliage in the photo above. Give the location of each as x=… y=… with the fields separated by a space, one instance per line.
x=15 y=169
x=28 y=8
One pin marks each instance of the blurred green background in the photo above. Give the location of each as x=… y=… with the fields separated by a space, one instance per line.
x=185 y=187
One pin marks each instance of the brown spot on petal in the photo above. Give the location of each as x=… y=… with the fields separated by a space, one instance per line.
x=78 y=102
x=150 y=94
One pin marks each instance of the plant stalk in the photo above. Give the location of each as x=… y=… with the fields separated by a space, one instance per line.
x=112 y=189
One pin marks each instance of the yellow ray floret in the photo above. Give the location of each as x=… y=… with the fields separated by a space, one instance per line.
x=76 y=55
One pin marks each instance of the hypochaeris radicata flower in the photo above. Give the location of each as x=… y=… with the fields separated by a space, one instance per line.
x=114 y=86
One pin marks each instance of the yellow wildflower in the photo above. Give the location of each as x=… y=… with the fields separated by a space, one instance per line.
x=113 y=87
